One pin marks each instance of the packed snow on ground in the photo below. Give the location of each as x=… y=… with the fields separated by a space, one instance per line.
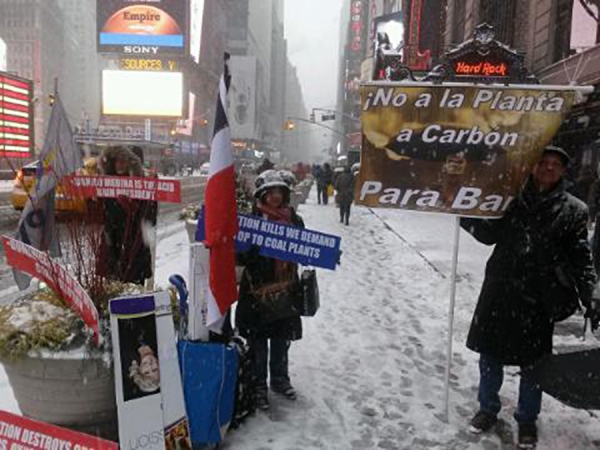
x=370 y=368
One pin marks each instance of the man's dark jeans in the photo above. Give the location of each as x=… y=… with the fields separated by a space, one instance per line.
x=345 y=212
x=491 y=373
x=596 y=245
x=277 y=364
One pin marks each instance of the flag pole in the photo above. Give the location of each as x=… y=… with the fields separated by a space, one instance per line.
x=451 y=319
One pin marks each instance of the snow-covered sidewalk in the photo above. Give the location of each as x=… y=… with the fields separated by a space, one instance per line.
x=370 y=368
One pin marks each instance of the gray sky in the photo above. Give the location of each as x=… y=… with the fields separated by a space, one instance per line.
x=312 y=30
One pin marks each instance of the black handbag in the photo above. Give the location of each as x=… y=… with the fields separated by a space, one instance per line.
x=308 y=295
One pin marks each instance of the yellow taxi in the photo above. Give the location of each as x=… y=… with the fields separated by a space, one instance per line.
x=25 y=181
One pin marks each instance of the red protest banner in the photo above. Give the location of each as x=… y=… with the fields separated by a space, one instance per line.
x=136 y=188
x=27 y=259
x=18 y=432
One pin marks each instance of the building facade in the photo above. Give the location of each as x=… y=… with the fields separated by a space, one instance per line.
x=3 y=55
x=539 y=29
x=262 y=80
x=33 y=32
x=81 y=80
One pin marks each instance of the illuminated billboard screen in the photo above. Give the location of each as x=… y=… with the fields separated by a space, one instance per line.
x=393 y=26
x=16 y=117
x=136 y=93
x=142 y=27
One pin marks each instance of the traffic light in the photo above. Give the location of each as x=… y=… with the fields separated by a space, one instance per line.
x=289 y=125
x=51 y=99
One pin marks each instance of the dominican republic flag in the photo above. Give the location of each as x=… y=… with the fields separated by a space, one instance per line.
x=221 y=222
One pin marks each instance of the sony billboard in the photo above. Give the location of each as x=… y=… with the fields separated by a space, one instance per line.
x=142 y=27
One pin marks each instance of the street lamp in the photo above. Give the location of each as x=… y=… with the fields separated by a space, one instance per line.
x=290 y=125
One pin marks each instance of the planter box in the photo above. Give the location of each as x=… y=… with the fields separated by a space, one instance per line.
x=190 y=227
x=73 y=391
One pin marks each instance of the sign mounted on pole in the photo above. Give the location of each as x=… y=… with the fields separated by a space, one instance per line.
x=455 y=148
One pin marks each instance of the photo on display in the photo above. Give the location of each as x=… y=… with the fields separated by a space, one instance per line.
x=139 y=357
x=177 y=436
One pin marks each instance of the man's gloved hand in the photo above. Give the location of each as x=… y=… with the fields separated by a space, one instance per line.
x=592 y=312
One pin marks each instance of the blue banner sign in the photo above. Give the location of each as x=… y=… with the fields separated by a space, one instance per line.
x=284 y=242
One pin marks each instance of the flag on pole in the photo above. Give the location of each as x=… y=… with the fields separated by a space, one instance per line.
x=59 y=157
x=221 y=213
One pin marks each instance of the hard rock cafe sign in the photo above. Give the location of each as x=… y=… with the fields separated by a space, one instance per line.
x=482 y=59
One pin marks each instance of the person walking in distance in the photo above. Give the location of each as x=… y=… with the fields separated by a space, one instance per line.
x=541 y=249
x=324 y=179
x=344 y=186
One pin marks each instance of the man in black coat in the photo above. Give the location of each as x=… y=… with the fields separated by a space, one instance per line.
x=324 y=179
x=541 y=249
x=344 y=185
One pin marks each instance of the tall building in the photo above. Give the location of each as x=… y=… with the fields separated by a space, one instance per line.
x=249 y=27
x=425 y=24
x=213 y=42
x=297 y=143
x=260 y=82
x=2 y=55
x=81 y=80
x=33 y=32
x=354 y=46
x=540 y=29
x=278 y=75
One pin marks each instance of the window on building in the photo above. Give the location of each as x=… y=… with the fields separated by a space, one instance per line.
x=458 y=21
x=500 y=14
x=562 y=36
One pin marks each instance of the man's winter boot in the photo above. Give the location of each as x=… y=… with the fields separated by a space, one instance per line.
x=482 y=421
x=286 y=390
x=527 y=435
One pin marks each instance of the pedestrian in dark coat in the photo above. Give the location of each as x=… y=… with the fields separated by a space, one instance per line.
x=324 y=179
x=126 y=251
x=272 y=203
x=344 y=186
x=265 y=165
x=543 y=234
x=593 y=202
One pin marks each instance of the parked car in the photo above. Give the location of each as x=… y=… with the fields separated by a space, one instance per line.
x=24 y=184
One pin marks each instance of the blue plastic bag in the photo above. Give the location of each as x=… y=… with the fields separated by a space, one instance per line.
x=209 y=374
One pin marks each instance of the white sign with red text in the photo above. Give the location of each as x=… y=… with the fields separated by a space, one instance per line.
x=40 y=265
x=20 y=433
x=135 y=188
